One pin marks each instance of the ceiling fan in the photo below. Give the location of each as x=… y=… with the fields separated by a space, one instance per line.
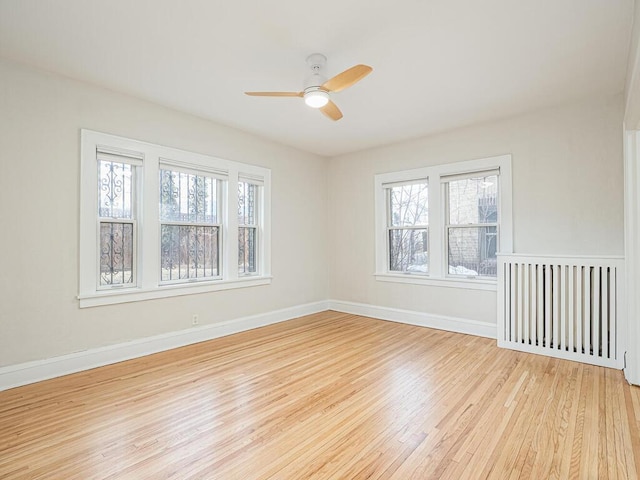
x=317 y=89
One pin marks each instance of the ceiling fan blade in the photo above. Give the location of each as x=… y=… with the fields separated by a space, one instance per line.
x=347 y=78
x=332 y=111
x=275 y=94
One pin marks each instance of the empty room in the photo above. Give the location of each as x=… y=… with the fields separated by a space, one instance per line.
x=347 y=240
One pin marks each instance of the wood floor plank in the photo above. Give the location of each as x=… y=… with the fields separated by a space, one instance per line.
x=327 y=396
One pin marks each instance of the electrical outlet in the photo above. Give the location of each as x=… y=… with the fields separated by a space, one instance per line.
x=194 y=319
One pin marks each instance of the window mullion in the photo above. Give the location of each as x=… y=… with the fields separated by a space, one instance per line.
x=408 y=227
x=470 y=225
x=437 y=257
x=230 y=228
x=191 y=224
x=149 y=238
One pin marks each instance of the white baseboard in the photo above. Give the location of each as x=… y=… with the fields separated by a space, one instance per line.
x=35 y=371
x=632 y=367
x=441 y=322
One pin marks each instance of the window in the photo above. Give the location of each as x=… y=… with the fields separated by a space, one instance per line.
x=408 y=226
x=189 y=228
x=472 y=224
x=248 y=197
x=157 y=221
x=443 y=225
x=117 y=218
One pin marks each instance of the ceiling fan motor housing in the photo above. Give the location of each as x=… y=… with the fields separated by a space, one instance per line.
x=316 y=63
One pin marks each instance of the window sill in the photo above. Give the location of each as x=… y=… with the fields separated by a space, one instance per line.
x=111 y=297
x=449 y=282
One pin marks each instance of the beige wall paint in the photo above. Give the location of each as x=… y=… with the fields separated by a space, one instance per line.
x=568 y=199
x=40 y=120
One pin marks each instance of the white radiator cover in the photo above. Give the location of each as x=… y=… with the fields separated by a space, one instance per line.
x=562 y=306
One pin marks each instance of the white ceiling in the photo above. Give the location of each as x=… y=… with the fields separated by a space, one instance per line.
x=438 y=64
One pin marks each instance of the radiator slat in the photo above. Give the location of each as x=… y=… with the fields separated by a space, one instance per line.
x=561 y=306
x=605 y=312
x=526 y=326
x=540 y=307
x=586 y=318
x=512 y=300
x=595 y=317
x=614 y=315
x=571 y=296
x=579 y=284
x=562 y=317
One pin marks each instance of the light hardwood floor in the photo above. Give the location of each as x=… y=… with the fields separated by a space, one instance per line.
x=328 y=396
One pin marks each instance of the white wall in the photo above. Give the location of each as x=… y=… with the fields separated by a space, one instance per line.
x=632 y=83
x=632 y=200
x=40 y=120
x=568 y=199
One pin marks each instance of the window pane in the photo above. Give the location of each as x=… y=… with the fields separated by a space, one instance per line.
x=115 y=184
x=247 y=203
x=188 y=251
x=472 y=251
x=116 y=253
x=186 y=197
x=408 y=250
x=247 y=250
x=409 y=205
x=473 y=200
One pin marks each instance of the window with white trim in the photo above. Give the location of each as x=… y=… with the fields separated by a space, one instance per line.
x=157 y=221
x=249 y=193
x=408 y=226
x=444 y=224
x=117 y=216
x=189 y=225
x=471 y=224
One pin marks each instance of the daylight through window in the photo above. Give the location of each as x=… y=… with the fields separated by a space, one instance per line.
x=157 y=221
x=248 y=197
x=408 y=227
x=189 y=229
x=472 y=225
x=444 y=223
x=117 y=218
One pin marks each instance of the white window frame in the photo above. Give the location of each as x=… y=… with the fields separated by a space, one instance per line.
x=389 y=227
x=147 y=280
x=438 y=272
x=445 y=180
x=135 y=160
x=166 y=164
x=259 y=184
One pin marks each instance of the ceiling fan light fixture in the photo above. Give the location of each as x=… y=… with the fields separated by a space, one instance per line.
x=315 y=97
x=317 y=89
